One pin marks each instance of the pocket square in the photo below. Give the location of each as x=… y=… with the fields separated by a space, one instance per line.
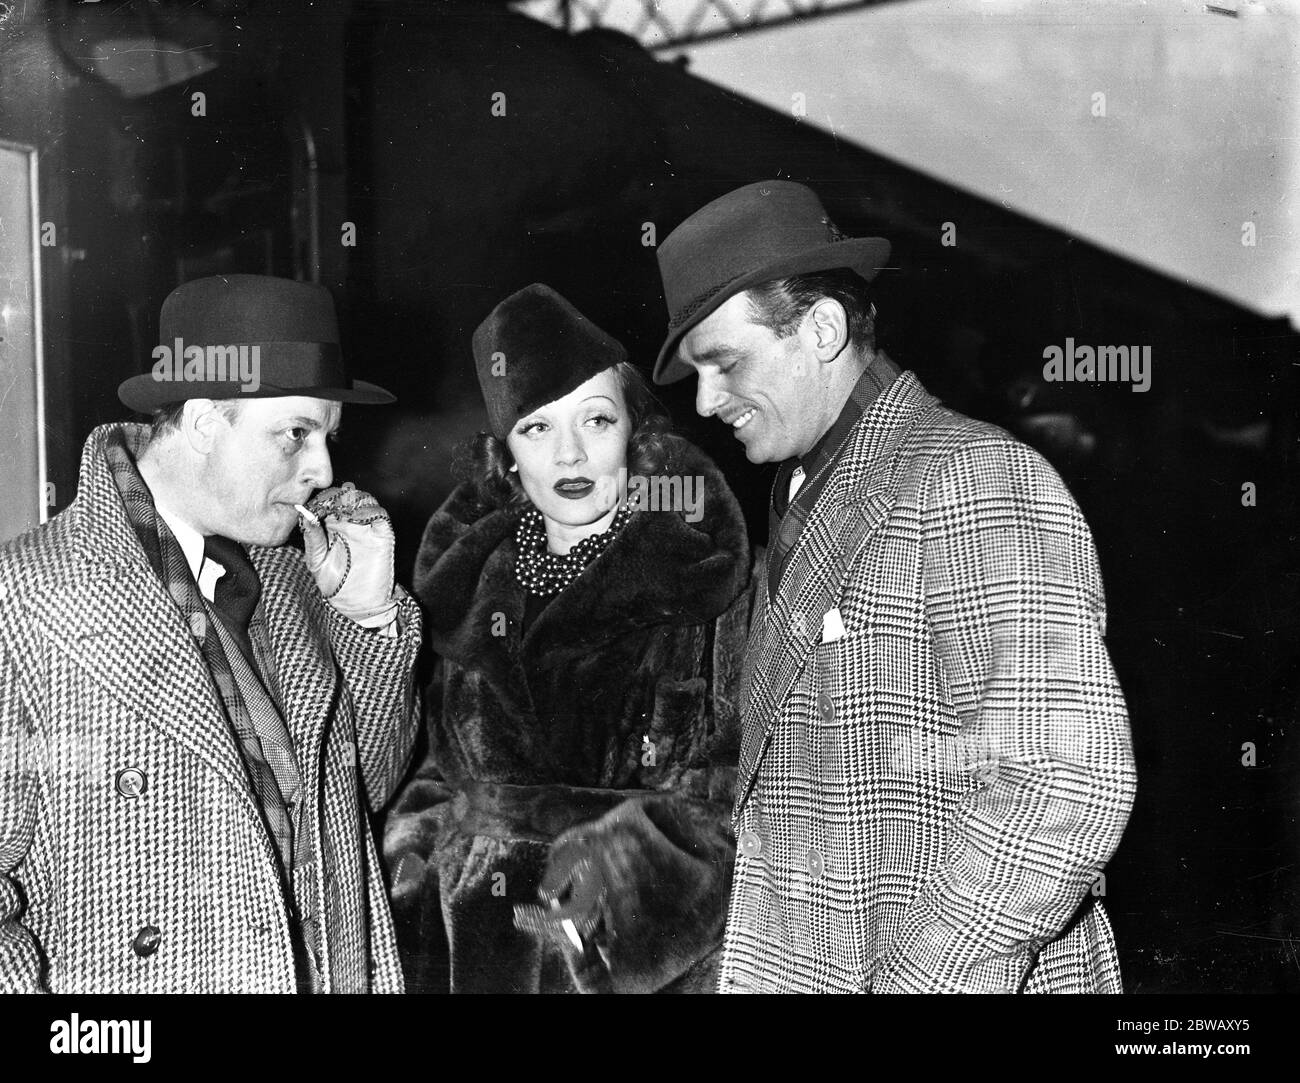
x=832 y=625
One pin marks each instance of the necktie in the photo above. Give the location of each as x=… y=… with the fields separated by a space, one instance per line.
x=782 y=531
x=236 y=593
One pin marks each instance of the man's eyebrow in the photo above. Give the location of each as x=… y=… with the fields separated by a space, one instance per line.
x=715 y=353
x=311 y=424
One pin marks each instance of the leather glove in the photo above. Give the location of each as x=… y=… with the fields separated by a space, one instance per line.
x=408 y=876
x=349 y=552
x=573 y=894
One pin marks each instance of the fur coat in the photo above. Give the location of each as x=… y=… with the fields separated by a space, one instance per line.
x=609 y=724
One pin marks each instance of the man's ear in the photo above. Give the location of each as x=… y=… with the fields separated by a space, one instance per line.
x=828 y=327
x=202 y=423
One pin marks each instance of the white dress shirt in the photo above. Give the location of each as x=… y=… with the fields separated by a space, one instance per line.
x=205 y=570
x=796 y=482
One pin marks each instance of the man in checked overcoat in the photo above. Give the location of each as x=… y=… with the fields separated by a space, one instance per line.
x=196 y=718
x=935 y=757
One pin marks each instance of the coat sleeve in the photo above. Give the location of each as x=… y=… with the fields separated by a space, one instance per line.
x=1014 y=603
x=731 y=635
x=379 y=673
x=20 y=957
x=413 y=825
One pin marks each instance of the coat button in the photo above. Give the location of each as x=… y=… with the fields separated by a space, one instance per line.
x=826 y=707
x=816 y=866
x=146 y=941
x=131 y=782
x=750 y=844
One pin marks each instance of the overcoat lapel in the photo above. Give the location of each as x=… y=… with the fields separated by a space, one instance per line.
x=119 y=625
x=125 y=633
x=790 y=624
x=856 y=501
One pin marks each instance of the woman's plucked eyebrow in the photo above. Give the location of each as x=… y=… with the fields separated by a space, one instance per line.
x=538 y=416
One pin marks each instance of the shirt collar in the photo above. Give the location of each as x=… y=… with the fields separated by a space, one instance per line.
x=875 y=378
x=206 y=571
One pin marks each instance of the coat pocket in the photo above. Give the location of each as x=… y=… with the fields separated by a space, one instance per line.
x=842 y=687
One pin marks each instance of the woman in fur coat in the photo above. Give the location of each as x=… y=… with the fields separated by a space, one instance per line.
x=585 y=593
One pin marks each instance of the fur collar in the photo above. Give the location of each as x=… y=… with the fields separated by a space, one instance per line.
x=661 y=570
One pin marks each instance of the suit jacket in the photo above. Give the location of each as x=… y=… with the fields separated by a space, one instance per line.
x=925 y=804
x=132 y=853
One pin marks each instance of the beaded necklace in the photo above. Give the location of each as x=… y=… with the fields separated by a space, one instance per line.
x=540 y=571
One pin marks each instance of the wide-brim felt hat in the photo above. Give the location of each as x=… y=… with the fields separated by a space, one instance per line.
x=207 y=333
x=758 y=233
x=533 y=348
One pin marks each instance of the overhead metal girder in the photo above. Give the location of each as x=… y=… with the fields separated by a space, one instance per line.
x=664 y=24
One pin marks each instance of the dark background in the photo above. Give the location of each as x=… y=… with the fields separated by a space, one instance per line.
x=380 y=114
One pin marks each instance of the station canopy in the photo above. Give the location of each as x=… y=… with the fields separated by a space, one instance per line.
x=1165 y=131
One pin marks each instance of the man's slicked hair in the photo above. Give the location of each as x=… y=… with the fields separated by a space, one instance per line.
x=780 y=305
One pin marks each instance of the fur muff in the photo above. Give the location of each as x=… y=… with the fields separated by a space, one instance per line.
x=661 y=868
x=612 y=714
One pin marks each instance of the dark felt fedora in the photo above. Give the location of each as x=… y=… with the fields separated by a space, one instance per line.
x=772 y=229
x=534 y=348
x=246 y=336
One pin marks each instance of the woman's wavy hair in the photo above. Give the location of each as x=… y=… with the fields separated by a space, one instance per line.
x=484 y=460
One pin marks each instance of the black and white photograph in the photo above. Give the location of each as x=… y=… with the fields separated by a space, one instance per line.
x=649 y=497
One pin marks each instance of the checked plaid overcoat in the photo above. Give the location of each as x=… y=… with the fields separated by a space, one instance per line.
x=133 y=857
x=924 y=803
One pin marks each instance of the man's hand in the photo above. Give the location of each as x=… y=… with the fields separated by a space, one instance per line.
x=349 y=550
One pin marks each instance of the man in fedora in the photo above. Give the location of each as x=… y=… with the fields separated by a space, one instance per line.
x=935 y=759
x=195 y=718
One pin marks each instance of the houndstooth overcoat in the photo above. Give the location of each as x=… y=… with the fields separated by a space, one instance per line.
x=925 y=802
x=132 y=854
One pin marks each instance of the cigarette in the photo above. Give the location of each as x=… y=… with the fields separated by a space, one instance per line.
x=311 y=517
x=571 y=931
